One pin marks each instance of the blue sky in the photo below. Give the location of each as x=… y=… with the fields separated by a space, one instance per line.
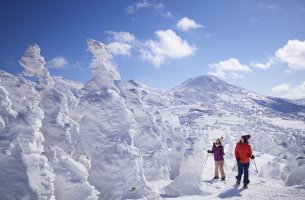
x=259 y=45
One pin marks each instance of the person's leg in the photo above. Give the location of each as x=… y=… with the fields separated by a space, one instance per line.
x=246 y=173
x=216 y=169
x=221 y=163
x=240 y=171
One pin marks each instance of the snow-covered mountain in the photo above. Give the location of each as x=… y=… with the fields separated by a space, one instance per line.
x=207 y=107
x=111 y=139
x=212 y=91
x=299 y=101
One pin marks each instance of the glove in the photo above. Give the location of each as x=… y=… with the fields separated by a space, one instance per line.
x=252 y=157
x=237 y=159
x=209 y=151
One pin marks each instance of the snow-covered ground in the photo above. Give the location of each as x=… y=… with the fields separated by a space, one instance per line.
x=259 y=188
x=110 y=139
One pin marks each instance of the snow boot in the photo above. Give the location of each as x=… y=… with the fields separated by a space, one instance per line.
x=237 y=183
x=223 y=178
x=216 y=177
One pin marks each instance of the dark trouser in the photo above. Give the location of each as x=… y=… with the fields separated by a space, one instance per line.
x=243 y=168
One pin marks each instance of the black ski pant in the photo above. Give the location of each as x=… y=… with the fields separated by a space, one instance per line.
x=243 y=168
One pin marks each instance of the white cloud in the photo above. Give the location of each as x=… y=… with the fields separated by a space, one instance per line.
x=281 y=88
x=285 y=91
x=298 y=92
x=293 y=53
x=121 y=36
x=231 y=67
x=266 y=65
x=122 y=43
x=142 y=5
x=81 y=66
x=168 y=45
x=167 y=14
x=270 y=7
x=119 y=48
x=57 y=62
x=186 y=24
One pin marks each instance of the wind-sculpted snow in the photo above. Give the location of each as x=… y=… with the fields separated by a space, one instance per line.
x=60 y=131
x=161 y=146
x=34 y=65
x=58 y=128
x=149 y=136
x=110 y=139
x=61 y=141
x=295 y=172
x=190 y=173
x=71 y=89
x=103 y=72
x=24 y=171
x=71 y=176
x=106 y=134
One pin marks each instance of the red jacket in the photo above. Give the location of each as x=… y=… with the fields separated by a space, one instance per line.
x=243 y=152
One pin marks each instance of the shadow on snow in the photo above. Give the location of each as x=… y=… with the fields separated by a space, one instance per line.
x=233 y=192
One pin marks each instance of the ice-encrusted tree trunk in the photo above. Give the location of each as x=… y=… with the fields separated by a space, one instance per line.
x=190 y=174
x=34 y=66
x=61 y=133
x=24 y=170
x=150 y=137
x=58 y=129
x=106 y=133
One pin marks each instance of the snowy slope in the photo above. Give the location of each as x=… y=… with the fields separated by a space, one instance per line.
x=207 y=107
x=299 y=101
x=212 y=91
x=110 y=139
x=259 y=188
x=220 y=109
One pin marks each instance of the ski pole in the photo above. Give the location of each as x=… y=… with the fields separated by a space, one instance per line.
x=234 y=166
x=255 y=165
x=206 y=159
x=226 y=170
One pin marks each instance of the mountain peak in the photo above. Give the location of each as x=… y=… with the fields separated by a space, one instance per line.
x=201 y=82
x=205 y=78
x=209 y=88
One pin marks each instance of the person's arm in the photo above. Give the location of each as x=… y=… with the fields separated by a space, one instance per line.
x=249 y=151
x=213 y=149
x=222 y=151
x=236 y=153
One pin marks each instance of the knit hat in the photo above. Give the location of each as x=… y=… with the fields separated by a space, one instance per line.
x=246 y=137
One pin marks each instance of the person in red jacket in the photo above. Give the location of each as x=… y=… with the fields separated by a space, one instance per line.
x=243 y=153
